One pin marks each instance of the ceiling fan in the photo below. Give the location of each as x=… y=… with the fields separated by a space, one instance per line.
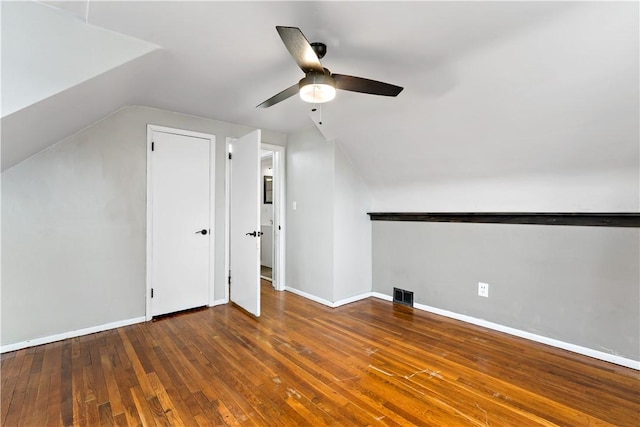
x=319 y=84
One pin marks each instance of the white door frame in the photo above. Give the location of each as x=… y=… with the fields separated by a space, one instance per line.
x=149 y=256
x=280 y=205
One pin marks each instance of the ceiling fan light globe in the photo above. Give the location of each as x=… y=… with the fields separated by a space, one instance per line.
x=317 y=88
x=317 y=93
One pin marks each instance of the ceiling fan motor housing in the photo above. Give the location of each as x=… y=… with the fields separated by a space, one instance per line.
x=320 y=49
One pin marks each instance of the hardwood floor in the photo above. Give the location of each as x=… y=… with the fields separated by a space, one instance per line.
x=366 y=363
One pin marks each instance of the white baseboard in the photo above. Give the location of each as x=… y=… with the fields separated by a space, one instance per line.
x=381 y=296
x=352 y=299
x=219 y=302
x=309 y=296
x=327 y=302
x=596 y=354
x=71 y=334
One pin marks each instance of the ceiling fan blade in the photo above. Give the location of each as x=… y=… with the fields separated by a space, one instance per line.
x=287 y=93
x=300 y=49
x=359 y=84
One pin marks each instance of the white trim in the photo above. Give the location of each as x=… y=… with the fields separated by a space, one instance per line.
x=212 y=213
x=220 y=302
x=327 y=302
x=70 y=334
x=213 y=236
x=183 y=132
x=309 y=296
x=147 y=292
x=227 y=215
x=352 y=299
x=381 y=296
x=596 y=354
x=279 y=214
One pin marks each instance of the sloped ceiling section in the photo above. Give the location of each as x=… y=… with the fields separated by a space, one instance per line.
x=38 y=126
x=45 y=53
x=545 y=118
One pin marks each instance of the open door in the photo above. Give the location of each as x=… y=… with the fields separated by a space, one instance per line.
x=244 y=223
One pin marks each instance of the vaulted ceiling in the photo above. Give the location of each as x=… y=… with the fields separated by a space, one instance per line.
x=492 y=89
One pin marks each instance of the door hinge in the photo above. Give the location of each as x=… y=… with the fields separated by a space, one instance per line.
x=151 y=292
x=229 y=278
x=230 y=156
x=279 y=228
x=153 y=146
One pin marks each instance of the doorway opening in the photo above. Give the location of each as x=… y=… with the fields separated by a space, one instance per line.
x=266 y=215
x=275 y=213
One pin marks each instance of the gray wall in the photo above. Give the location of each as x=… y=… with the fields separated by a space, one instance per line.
x=74 y=225
x=352 y=231
x=310 y=176
x=329 y=234
x=580 y=285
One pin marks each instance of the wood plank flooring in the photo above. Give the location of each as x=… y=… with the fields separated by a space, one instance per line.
x=366 y=363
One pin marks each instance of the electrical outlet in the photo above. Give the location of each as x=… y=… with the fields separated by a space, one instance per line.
x=483 y=289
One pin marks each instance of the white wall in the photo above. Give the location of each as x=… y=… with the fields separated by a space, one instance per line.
x=74 y=224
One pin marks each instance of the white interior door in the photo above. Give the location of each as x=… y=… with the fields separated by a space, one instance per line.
x=244 y=224
x=181 y=236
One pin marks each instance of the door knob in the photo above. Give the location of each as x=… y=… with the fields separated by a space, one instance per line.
x=203 y=231
x=254 y=234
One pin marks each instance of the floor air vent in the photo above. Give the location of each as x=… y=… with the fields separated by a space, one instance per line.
x=401 y=296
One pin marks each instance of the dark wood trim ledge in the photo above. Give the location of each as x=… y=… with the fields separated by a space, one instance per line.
x=601 y=219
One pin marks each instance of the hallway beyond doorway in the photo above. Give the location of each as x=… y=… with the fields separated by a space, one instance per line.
x=266 y=272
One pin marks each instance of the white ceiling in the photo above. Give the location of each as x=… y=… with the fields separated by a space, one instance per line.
x=491 y=88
